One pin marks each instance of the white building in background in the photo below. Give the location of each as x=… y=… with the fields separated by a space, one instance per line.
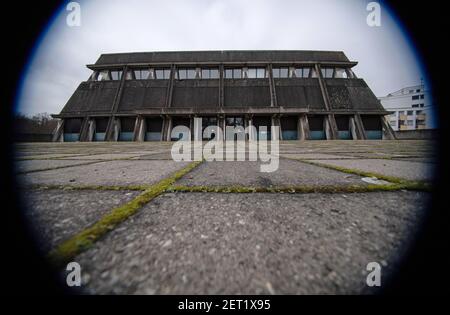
x=412 y=107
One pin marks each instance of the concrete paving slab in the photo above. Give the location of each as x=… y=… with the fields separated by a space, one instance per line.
x=106 y=173
x=111 y=156
x=402 y=169
x=290 y=173
x=200 y=243
x=35 y=165
x=56 y=215
x=315 y=156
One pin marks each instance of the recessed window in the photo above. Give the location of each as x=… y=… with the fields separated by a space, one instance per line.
x=103 y=75
x=280 y=72
x=210 y=73
x=162 y=74
x=233 y=73
x=302 y=72
x=410 y=122
x=415 y=97
x=422 y=96
x=141 y=74
x=415 y=105
x=188 y=73
x=410 y=112
x=327 y=73
x=256 y=73
x=116 y=74
x=340 y=73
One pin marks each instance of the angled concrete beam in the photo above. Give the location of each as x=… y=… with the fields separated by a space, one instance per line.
x=58 y=133
x=303 y=127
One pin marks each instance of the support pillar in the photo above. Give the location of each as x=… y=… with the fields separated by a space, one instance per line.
x=388 y=132
x=168 y=128
x=84 y=129
x=58 y=134
x=303 y=128
x=361 y=133
x=91 y=130
x=251 y=135
x=330 y=127
x=276 y=122
x=139 y=129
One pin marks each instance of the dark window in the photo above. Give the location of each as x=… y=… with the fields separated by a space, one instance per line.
x=289 y=123
x=343 y=123
x=72 y=125
x=422 y=96
x=101 y=124
x=410 y=112
x=415 y=97
x=127 y=124
x=415 y=105
x=315 y=123
x=371 y=122
x=154 y=124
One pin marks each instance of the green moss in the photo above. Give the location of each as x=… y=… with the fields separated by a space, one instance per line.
x=83 y=240
x=303 y=189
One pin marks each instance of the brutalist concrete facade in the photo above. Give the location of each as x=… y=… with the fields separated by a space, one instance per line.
x=311 y=95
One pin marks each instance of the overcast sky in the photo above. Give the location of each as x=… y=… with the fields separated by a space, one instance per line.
x=386 y=59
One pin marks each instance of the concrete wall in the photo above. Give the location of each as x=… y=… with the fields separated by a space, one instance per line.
x=417 y=134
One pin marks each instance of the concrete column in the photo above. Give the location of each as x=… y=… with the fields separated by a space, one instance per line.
x=116 y=129
x=140 y=129
x=91 y=130
x=58 y=134
x=251 y=135
x=361 y=133
x=303 y=128
x=353 y=129
x=84 y=129
x=330 y=127
x=168 y=128
x=197 y=130
x=273 y=93
x=276 y=122
x=221 y=125
x=388 y=132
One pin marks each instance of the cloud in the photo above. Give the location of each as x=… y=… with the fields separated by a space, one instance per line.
x=386 y=60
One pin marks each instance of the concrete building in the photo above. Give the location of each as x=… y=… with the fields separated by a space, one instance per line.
x=311 y=95
x=411 y=108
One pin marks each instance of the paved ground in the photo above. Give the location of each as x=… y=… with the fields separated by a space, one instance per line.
x=226 y=241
